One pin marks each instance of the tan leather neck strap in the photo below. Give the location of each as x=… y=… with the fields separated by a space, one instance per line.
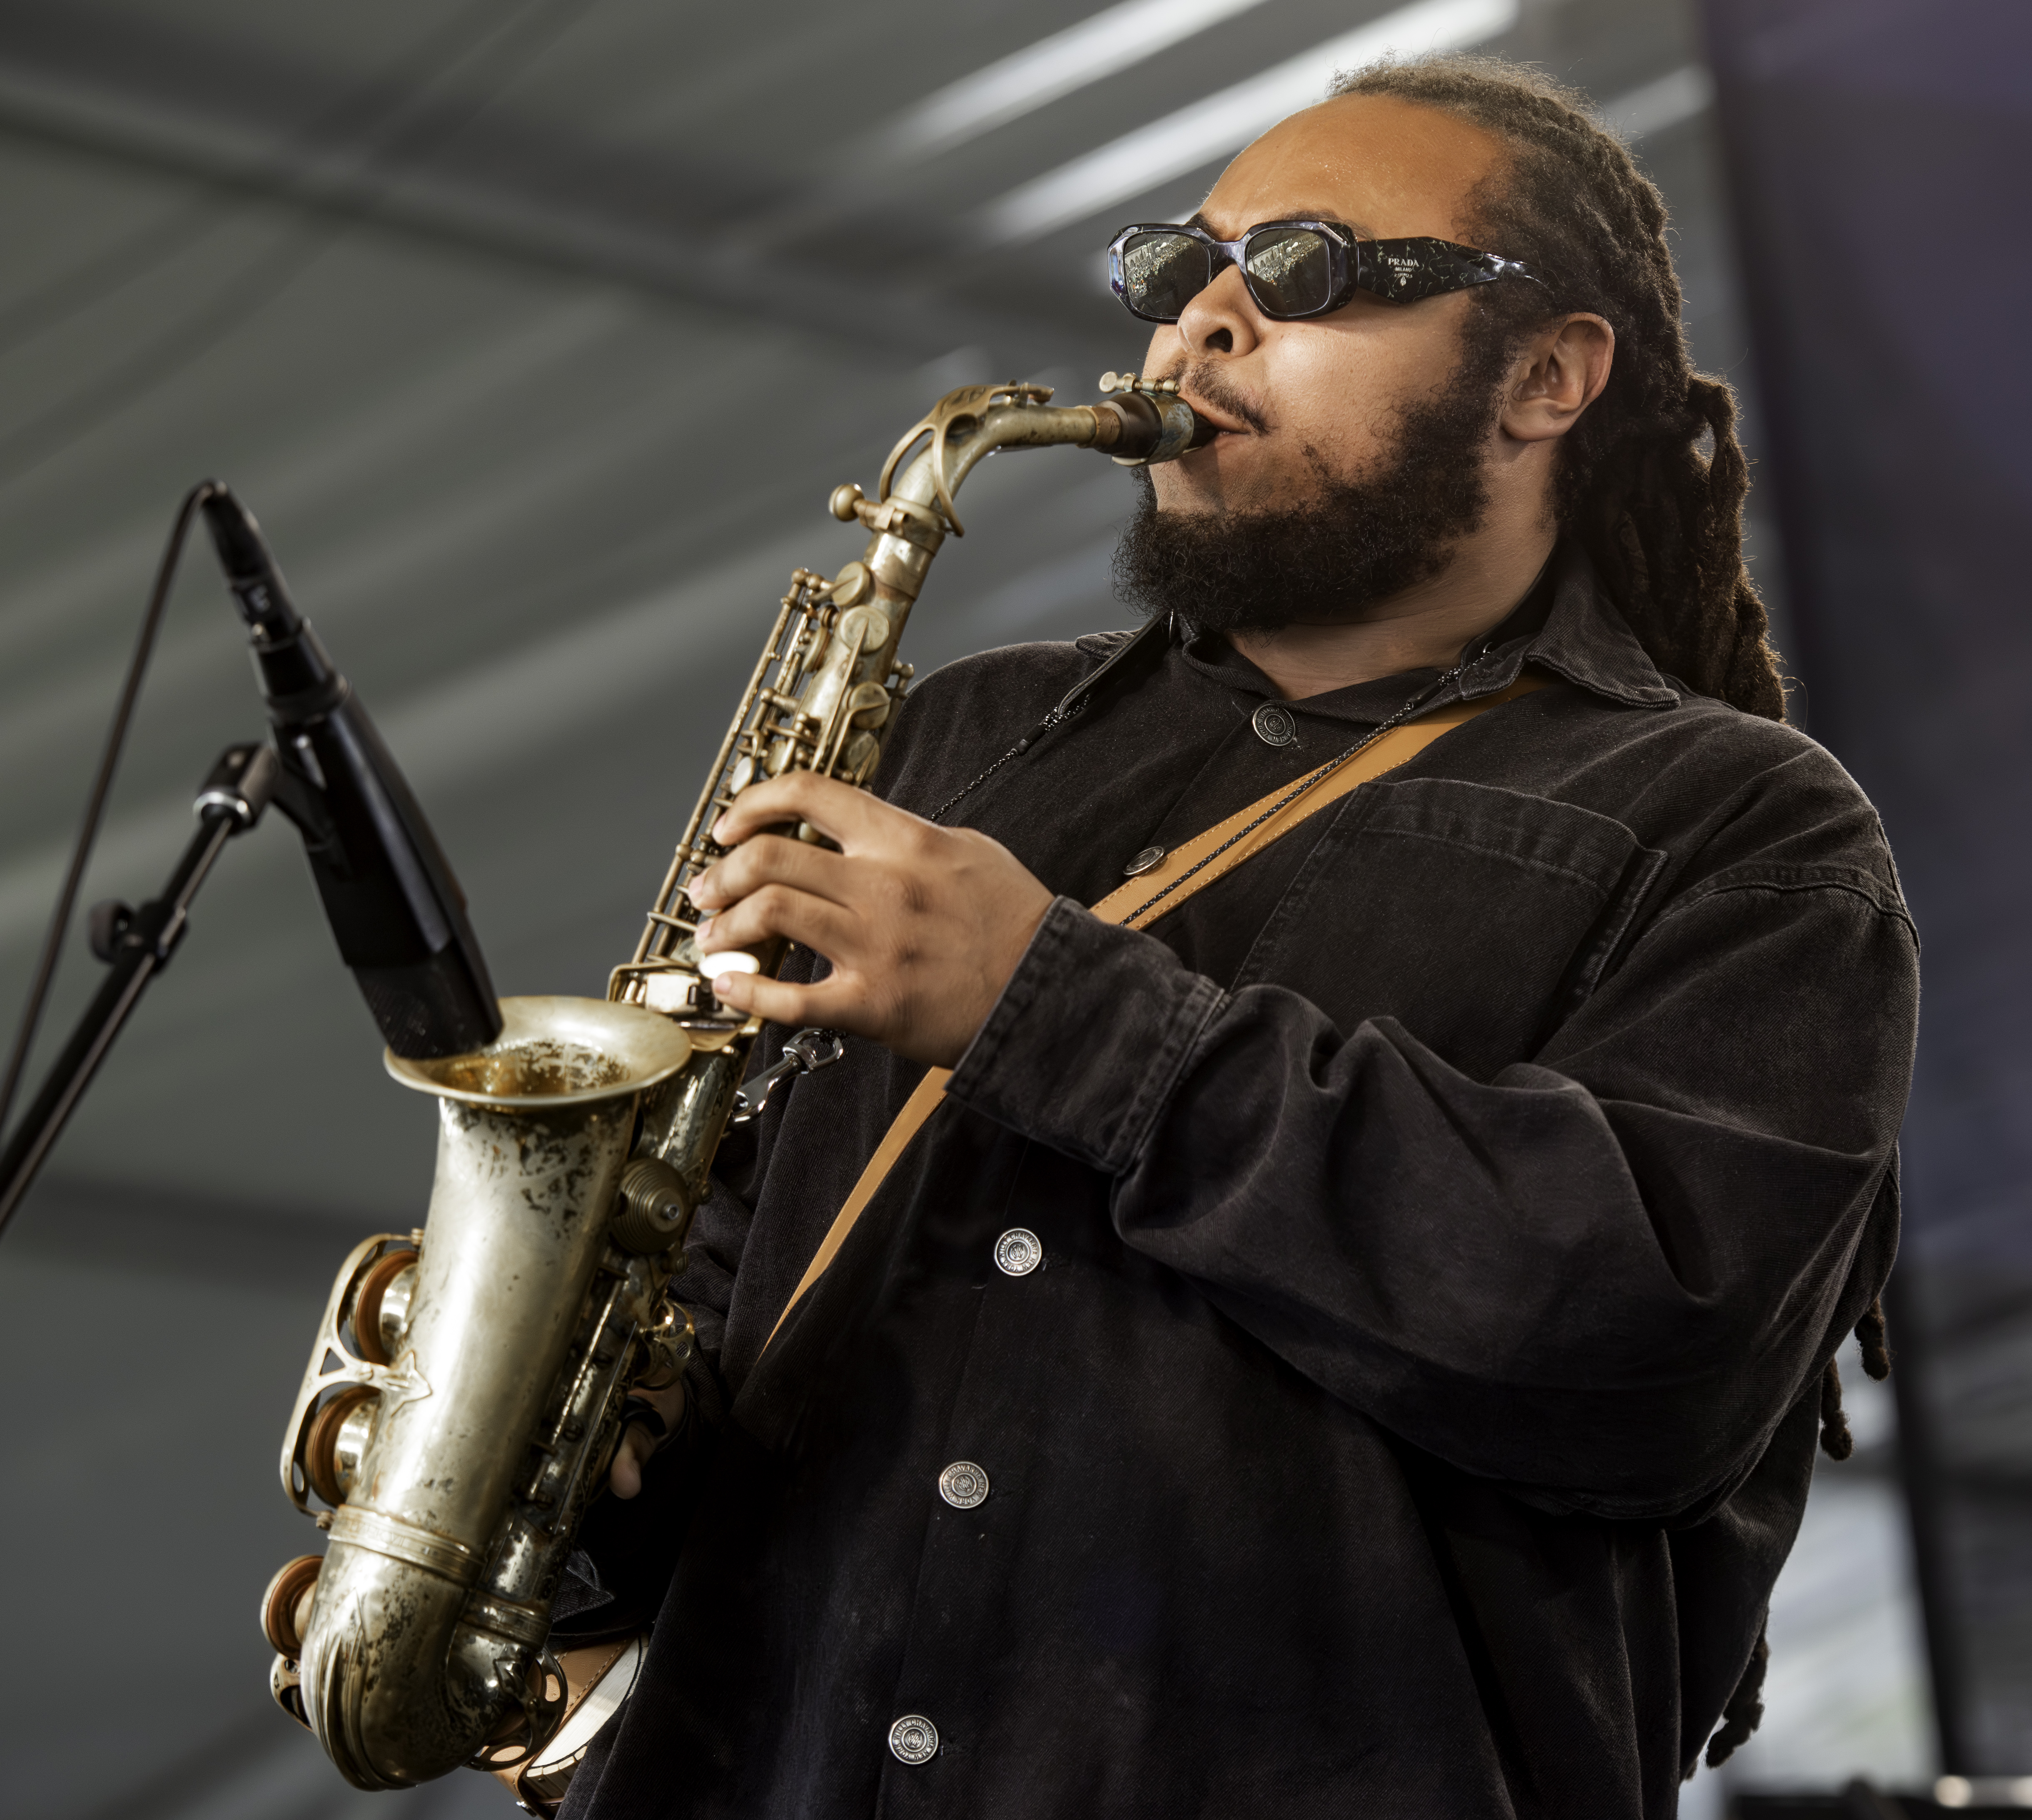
x=1186 y=869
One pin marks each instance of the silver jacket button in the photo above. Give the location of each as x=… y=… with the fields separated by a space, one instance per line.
x=914 y=1739
x=1274 y=725
x=1018 y=1252
x=1145 y=860
x=962 y=1485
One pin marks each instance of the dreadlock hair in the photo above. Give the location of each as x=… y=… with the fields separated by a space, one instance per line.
x=1662 y=522
x=1873 y=1341
x=1744 y=1710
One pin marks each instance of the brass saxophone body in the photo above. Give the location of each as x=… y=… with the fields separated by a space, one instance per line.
x=465 y=1391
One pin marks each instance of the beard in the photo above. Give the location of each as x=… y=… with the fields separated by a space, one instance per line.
x=1348 y=546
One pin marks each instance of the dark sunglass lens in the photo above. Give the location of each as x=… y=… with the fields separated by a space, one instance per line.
x=1290 y=270
x=1162 y=273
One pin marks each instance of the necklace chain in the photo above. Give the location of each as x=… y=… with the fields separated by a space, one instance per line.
x=1057 y=716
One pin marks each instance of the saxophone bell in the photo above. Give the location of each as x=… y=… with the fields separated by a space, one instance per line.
x=462 y=1398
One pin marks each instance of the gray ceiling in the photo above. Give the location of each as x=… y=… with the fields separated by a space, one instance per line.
x=536 y=332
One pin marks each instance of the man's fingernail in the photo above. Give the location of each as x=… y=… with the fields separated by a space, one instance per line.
x=719 y=829
x=704 y=932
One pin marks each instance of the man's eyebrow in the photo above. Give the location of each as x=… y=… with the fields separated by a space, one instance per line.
x=1326 y=215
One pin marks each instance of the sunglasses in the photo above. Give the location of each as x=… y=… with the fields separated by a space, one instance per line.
x=1294 y=268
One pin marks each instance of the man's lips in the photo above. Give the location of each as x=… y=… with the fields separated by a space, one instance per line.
x=1227 y=422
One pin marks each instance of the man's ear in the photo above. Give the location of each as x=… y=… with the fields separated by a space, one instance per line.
x=1561 y=372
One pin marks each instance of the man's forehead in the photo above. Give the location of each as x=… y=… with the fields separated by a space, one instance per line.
x=1228 y=229
x=1380 y=166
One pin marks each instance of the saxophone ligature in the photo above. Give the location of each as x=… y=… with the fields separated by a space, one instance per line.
x=465 y=1391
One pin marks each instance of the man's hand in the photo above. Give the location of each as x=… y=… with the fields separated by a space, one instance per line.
x=923 y=925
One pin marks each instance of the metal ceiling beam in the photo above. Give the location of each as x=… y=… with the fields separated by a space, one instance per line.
x=909 y=325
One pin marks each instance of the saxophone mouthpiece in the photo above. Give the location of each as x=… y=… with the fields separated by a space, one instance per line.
x=1156 y=424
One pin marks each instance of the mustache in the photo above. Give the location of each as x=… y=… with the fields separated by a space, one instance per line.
x=1206 y=380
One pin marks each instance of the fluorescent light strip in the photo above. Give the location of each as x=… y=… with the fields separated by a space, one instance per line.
x=1224 y=122
x=1688 y=90
x=1027 y=80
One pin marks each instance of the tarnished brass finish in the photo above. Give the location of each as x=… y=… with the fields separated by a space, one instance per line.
x=458 y=1471
x=465 y=1391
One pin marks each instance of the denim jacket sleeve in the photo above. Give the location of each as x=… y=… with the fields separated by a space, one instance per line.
x=1602 y=1276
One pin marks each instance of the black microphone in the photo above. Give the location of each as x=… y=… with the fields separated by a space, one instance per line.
x=393 y=902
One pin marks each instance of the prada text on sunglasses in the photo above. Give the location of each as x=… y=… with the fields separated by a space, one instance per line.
x=1294 y=268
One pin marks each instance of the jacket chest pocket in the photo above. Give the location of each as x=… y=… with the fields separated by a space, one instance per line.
x=1479 y=918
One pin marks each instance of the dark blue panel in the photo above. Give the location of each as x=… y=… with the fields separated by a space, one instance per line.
x=1880 y=157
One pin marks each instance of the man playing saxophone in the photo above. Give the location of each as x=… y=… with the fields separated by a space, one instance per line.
x=1356 y=1344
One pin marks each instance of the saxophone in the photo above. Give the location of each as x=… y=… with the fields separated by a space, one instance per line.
x=465 y=1391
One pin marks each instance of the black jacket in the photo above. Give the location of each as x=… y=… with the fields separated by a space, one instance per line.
x=1445 y=1219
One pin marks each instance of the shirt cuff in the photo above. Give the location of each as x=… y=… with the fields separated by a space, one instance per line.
x=1088 y=1039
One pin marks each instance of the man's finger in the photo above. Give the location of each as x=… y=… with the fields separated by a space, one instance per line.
x=821 y=925
x=625 y=1474
x=843 y=813
x=828 y=1005
x=772 y=860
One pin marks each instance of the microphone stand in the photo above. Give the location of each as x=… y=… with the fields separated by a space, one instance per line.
x=136 y=945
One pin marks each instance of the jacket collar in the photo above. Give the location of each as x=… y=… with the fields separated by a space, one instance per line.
x=1583 y=638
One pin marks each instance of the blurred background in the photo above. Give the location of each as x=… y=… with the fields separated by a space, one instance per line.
x=536 y=332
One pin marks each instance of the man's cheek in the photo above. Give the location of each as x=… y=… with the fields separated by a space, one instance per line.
x=1343 y=445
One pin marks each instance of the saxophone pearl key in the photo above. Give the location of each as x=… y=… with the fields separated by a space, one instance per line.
x=733 y=961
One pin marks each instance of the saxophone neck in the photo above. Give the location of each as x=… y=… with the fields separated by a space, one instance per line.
x=1142 y=423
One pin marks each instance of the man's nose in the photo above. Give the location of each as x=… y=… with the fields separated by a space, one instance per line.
x=1222 y=319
